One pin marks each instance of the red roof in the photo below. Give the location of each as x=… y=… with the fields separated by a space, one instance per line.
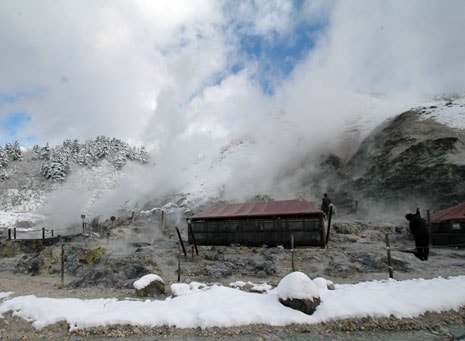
x=456 y=212
x=260 y=209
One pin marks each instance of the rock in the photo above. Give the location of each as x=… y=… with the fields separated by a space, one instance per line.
x=297 y=291
x=150 y=285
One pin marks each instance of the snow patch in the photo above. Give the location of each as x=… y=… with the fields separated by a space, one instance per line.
x=297 y=285
x=146 y=280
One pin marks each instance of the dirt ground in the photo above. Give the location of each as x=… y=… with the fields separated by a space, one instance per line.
x=350 y=257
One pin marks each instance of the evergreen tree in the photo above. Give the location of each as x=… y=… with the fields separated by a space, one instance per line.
x=36 y=152
x=17 y=155
x=3 y=174
x=45 y=152
x=9 y=150
x=57 y=167
x=3 y=158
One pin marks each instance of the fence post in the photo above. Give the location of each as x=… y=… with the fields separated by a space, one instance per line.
x=180 y=240
x=162 y=219
x=388 y=248
x=191 y=231
x=62 y=265
x=329 y=224
x=83 y=216
x=428 y=214
x=292 y=252
x=9 y=234
x=43 y=233
x=179 y=262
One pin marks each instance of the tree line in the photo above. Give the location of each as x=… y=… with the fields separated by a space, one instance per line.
x=57 y=161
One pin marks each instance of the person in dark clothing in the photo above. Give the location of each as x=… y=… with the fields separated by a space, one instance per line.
x=420 y=231
x=325 y=202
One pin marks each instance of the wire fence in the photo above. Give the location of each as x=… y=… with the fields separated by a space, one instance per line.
x=19 y=233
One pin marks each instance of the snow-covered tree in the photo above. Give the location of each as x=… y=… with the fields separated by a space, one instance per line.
x=36 y=152
x=57 y=167
x=45 y=152
x=16 y=152
x=9 y=150
x=3 y=158
x=3 y=174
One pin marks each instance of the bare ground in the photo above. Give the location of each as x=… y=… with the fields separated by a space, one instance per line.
x=350 y=257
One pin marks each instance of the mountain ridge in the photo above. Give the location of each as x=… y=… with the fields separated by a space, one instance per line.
x=415 y=158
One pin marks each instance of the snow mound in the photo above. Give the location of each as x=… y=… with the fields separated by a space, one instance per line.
x=146 y=280
x=297 y=285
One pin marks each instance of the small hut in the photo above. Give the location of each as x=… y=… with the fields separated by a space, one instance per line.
x=448 y=226
x=260 y=223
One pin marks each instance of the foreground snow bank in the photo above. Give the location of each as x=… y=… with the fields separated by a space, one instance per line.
x=219 y=306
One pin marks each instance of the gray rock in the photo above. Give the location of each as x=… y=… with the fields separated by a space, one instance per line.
x=155 y=288
x=307 y=306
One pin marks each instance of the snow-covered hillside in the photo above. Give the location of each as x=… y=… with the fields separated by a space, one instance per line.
x=279 y=165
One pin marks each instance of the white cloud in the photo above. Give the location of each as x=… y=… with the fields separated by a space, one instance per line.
x=174 y=75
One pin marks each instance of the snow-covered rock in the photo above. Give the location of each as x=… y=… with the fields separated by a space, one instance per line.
x=297 y=291
x=150 y=285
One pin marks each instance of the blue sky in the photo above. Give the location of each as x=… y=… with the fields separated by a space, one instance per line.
x=13 y=122
x=200 y=73
x=10 y=125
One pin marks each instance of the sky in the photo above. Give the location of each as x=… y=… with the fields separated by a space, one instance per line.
x=199 y=73
x=200 y=305
x=186 y=79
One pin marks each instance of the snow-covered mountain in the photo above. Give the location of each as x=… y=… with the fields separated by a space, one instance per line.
x=381 y=156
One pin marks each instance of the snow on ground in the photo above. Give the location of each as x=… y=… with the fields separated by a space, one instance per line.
x=450 y=113
x=9 y=219
x=219 y=306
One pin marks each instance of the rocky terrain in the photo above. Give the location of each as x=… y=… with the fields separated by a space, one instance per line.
x=106 y=265
x=414 y=160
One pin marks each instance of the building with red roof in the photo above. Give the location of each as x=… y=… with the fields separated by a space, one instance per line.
x=448 y=226
x=260 y=223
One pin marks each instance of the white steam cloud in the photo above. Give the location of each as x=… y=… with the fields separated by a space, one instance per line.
x=179 y=78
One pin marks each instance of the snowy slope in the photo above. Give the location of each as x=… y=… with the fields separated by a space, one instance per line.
x=246 y=166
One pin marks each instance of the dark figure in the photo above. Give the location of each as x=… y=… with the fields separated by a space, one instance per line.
x=325 y=202
x=419 y=229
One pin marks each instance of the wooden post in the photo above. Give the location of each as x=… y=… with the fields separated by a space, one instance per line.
x=162 y=219
x=83 y=216
x=388 y=248
x=9 y=234
x=52 y=233
x=292 y=252
x=132 y=216
x=43 y=233
x=14 y=233
x=356 y=206
x=62 y=265
x=179 y=262
x=191 y=231
x=180 y=240
x=428 y=214
x=329 y=224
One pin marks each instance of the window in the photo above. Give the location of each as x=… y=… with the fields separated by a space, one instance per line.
x=455 y=226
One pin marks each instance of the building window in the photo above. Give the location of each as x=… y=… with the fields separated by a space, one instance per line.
x=455 y=226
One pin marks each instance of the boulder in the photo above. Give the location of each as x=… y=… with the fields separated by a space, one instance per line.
x=150 y=285
x=297 y=291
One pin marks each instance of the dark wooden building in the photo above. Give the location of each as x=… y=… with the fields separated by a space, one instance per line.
x=448 y=226
x=260 y=223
